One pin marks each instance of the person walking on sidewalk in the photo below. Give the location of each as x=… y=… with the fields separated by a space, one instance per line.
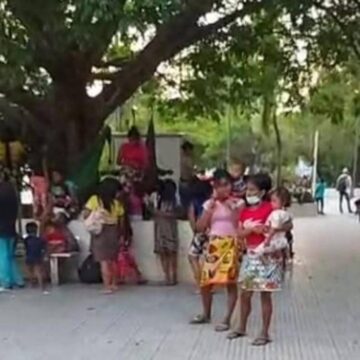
x=343 y=186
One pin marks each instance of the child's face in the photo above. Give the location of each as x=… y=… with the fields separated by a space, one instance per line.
x=222 y=188
x=276 y=203
x=236 y=170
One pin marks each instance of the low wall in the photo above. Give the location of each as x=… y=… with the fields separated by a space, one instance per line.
x=143 y=249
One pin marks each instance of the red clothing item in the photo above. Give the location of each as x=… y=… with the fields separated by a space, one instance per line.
x=134 y=155
x=255 y=216
x=54 y=235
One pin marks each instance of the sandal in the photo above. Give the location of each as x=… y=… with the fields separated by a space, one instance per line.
x=261 y=341
x=200 y=320
x=236 y=335
x=222 y=327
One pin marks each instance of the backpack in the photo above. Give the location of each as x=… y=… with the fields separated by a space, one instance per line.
x=89 y=272
x=342 y=185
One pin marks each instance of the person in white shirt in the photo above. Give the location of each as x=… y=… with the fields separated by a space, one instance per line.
x=343 y=186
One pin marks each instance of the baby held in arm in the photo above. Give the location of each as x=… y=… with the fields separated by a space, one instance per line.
x=277 y=224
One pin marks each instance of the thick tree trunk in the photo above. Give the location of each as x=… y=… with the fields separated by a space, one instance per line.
x=73 y=126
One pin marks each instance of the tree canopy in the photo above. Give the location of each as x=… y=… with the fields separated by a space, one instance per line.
x=52 y=51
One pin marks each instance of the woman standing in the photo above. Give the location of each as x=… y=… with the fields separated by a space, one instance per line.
x=259 y=273
x=221 y=262
x=105 y=245
x=10 y=275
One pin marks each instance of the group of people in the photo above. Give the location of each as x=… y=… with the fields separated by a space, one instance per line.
x=239 y=241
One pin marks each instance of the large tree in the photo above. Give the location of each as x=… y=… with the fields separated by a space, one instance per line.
x=51 y=51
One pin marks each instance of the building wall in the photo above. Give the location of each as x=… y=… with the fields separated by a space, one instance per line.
x=167 y=151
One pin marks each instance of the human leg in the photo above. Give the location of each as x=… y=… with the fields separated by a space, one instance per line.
x=267 y=310
x=206 y=298
x=39 y=274
x=165 y=264
x=347 y=198
x=194 y=262
x=106 y=276
x=232 y=296
x=173 y=265
x=341 y=199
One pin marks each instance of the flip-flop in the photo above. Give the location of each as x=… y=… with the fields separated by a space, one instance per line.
x=235 y=335
x=261 y=341
x=200 y=320
x=222 y=327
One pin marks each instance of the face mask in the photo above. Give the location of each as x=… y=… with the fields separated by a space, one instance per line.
x=253 y=200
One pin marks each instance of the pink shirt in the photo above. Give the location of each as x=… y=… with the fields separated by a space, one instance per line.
x=222 y=222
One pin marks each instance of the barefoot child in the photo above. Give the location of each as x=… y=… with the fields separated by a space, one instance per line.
x=201 y=192
x=166 y=231
x=35 y=248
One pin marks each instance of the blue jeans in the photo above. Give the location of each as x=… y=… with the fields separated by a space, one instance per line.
x=10 y=274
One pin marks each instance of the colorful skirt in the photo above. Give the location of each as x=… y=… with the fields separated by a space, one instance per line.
x=263 y=273
x=221 y=262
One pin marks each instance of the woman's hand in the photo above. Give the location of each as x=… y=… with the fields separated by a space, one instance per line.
x=259 y=229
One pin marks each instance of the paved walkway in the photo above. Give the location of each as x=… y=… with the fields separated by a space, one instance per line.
x=317 y=316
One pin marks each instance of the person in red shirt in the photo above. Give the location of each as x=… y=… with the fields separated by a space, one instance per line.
x=133 y=153
x=258 y=273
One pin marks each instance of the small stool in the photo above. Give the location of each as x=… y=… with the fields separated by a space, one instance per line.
x=54 y=265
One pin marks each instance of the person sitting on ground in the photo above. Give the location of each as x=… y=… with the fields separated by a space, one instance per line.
x=35 y=250
x=166 y=231
x=320 y=195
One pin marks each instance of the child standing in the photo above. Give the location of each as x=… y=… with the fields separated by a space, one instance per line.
x=166 y=231
x=35 y=248
x=201 y=192
x=320 y=195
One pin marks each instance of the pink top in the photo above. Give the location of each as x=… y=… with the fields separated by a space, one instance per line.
x=222 y=222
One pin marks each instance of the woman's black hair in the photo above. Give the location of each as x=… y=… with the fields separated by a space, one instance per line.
x=187 y=145
x=262 y=181
x=107 y=191
x=134 y=133
x=221 y=174
x=284 y=195
x=167 y=192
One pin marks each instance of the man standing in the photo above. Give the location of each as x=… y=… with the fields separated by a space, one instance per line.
x=343 y=186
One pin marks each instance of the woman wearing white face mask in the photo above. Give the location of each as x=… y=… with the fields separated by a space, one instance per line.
x=257 y=274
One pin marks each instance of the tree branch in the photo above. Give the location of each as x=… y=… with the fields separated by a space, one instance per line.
x=348 y=34
x=171 y=38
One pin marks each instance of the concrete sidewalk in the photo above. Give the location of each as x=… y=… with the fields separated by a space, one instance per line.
x=316 y=317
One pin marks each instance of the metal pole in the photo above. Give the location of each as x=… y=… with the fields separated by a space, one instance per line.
x=315 y=161
x=355 y=155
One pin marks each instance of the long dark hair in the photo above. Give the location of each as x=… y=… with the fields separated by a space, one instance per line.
x=107 y=191
x=263 y=182
x=167 y=193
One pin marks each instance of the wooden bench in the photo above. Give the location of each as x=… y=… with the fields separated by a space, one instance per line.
x=54 y=265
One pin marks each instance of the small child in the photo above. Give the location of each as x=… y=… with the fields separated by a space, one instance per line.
x=276 y=239
x=35 y=247
x=166 y=231
x=320 y=195
x=201 y=192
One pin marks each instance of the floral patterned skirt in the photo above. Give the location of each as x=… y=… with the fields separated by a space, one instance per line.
x=221 y=262
x=262 y=272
